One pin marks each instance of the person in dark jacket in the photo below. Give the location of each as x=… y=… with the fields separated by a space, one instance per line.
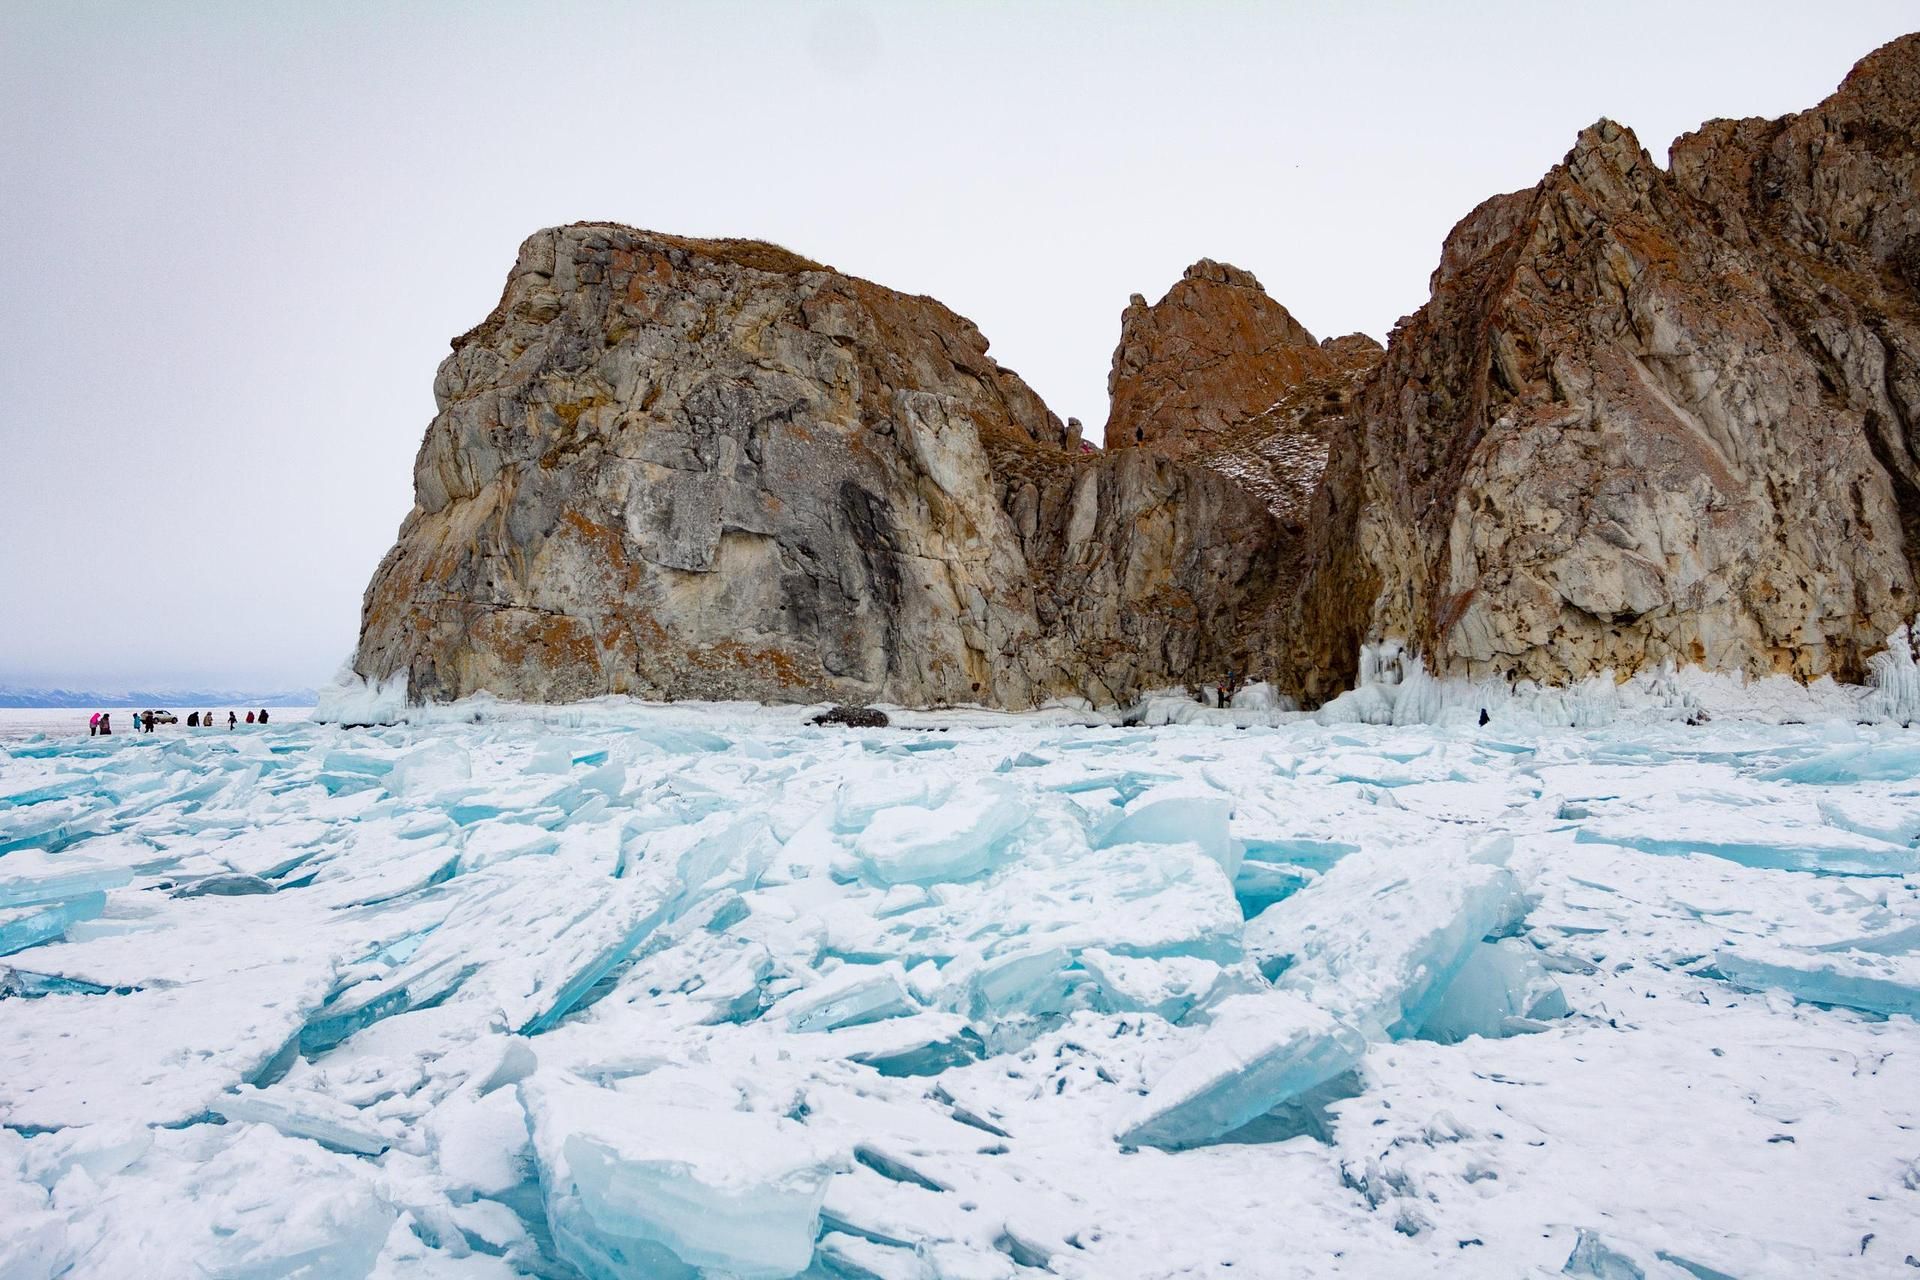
x=263 y=715
x=106 y=724
x=232 y=720
x=193 y=719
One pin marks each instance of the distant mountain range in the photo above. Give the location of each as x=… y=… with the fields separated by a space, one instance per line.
x=184 y=699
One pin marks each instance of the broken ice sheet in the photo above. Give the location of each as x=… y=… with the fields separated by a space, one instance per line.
x=1257 y=1052
x=962 y=838
x=849 y=996
x=1376 y=942
x=1869 y=981
x=1500 y=989
x=638 y=1178
x=1772 y=837
x=1167 y=987
x=700 y=917
x=1181 y=815
x=30 y=876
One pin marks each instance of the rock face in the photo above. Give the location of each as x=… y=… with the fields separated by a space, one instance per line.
x=1213 y=353
x=1220 y=373
x=1647 y=415
x=714 y=469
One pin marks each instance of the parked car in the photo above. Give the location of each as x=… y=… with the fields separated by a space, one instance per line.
x=164 y=717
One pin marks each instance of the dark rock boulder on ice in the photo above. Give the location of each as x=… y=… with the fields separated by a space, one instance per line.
x=1647 y=415
x=714 y=469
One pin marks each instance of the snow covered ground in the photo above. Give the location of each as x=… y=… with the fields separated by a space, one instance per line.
x=670 y=991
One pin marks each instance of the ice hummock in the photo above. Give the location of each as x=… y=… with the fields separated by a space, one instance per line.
x=1379 y=946
x=1357 y=956
x=958 y=839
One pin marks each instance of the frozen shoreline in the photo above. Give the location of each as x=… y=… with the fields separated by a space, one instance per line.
x=1394 y=688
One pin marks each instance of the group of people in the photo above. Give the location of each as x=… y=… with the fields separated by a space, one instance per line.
x=100 y=724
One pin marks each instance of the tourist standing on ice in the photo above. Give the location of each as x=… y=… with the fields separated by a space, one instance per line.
x=232 y=720
x=263 y=715
x=93 y=724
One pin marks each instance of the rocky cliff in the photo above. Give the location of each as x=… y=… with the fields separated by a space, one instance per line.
x=1648 y=414
x=686 y=468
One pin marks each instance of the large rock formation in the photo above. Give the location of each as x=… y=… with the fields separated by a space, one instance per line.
x=715 y=469
x=1648 y=415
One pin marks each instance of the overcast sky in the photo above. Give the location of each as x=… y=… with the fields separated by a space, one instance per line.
x=235 y=238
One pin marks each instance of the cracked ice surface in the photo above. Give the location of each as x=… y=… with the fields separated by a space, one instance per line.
x=687 y=991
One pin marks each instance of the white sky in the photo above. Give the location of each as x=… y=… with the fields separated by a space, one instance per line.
x=235 y=238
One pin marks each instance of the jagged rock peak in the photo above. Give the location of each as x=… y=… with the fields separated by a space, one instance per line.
x=1222 y=273
x=1213 y=353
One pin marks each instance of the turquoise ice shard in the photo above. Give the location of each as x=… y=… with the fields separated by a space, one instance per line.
x=1897 y=761
x=961 y=839
x=1378 y=945
x=1857 y=979
x=1366 y=952
x=1756 y=840
x=641 y=1183
x=851 y=995
x=304 y=1114
x=1500 y=989
x=42 y=893
x=1258 y=1051
x=1018 y=982
x=23 y=927
x=1188 y=814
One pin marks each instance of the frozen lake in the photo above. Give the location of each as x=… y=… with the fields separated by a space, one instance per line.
x=703 y=990
x=68 y=722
